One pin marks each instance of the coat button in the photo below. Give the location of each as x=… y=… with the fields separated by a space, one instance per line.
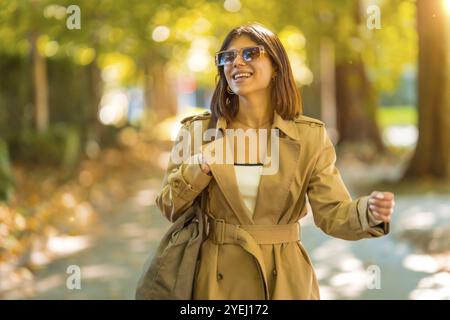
x=219 y=276
x=275 y=272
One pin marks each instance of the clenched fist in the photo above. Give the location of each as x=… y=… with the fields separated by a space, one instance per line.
x=382 y=205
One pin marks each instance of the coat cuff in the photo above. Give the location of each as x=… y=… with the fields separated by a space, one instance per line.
x=367 y=219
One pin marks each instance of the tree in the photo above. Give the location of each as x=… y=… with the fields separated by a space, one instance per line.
x=356 y=98
x=21 y=21
x=432 y=154
x=366 y=61
x=336 y=39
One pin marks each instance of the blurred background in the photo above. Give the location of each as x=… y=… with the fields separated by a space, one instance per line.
x=91 y=94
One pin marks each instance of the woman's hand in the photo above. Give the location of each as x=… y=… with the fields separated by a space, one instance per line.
x=382 y=205
x=204 y=165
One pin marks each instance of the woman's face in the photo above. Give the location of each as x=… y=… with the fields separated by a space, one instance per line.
x=260 y=70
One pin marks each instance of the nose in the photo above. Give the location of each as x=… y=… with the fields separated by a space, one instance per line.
x=238 y=61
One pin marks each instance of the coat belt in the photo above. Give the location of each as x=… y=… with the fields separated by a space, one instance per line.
x=221 y=232
x=249 y=237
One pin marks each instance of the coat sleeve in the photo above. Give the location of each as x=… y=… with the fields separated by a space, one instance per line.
x=183 y=181
x=333 y=209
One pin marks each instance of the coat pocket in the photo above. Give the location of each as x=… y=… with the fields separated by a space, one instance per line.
x=303 y=253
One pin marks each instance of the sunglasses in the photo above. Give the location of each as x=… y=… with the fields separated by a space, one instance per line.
x=248 y=54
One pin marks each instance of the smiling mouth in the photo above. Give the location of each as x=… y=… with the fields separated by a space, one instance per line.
x=242 y=76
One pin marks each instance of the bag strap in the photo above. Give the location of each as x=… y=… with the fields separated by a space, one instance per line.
x=204 y=194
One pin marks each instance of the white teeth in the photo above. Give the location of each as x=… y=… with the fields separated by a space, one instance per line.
x=240 y=75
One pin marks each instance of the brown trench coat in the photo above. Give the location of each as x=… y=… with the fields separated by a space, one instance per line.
x=269 y=267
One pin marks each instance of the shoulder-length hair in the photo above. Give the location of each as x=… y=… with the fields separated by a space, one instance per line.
x=285 y=96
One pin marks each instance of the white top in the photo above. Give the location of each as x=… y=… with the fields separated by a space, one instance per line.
x=248 y=177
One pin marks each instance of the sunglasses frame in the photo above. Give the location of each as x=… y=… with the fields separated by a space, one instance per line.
x=237 y=52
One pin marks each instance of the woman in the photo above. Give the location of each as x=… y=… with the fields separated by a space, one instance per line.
x=253 y=249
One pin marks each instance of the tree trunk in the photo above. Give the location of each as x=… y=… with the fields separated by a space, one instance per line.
x=432 y=154
x=311 y=93
x=159 y=92
x=95 y=85
x=356 y=99
x=356 y=104
x=40 y=86
x=328 y=87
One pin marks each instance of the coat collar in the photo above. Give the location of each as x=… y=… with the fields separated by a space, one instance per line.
x=288 y=127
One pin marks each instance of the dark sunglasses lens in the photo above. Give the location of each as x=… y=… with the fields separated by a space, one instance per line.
x=250 y=54
x=225 y=58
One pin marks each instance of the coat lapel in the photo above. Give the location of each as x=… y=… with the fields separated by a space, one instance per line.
x=274 y=188
x=225 y=176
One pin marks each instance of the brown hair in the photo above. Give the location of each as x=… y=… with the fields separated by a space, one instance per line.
x=285 y=97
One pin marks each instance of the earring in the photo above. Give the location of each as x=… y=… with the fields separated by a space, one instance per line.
x=229 y=90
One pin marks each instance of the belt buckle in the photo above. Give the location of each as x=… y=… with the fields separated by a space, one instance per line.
x=219 y=230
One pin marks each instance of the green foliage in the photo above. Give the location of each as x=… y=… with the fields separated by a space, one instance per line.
x=393 y=48
x=397 y=115
x=118 y=34
x=60 y=145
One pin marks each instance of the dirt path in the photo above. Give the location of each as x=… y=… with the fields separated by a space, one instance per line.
x=123 y=239
x=118 y=247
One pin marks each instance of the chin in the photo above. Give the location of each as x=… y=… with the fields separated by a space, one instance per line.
x=245 y=91
x=242 y=91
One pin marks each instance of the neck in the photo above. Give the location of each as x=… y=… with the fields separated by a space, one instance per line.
x=255 y=110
